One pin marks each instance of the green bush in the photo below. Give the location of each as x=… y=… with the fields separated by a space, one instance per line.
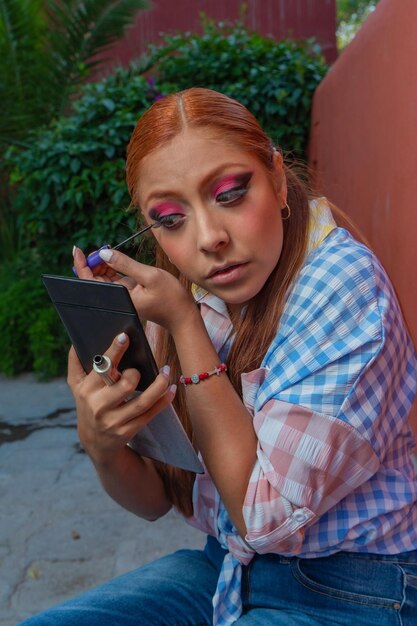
x=273 y=79
x=31 y=334
x=48 y=344
x=69 y=189
x=69 y=186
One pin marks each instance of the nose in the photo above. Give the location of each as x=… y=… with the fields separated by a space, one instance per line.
x=212 y=234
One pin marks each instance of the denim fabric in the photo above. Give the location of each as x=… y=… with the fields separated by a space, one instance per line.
x=342 y=589
x=339 y=590
x=175 y=590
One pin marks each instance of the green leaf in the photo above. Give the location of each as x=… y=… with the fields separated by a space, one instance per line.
x=109 y=104
x=75 y=165
x=109 y=152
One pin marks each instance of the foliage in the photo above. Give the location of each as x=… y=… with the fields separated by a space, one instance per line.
x=8 y=228
x=48 y=344
x=47 y=48
x=69 y=185
x=350 y=16
x=273 y=79
x=348 y=9
x=31 y=334
x=69 y=189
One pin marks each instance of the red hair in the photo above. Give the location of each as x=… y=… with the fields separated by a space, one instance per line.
x=230 y=122
x=195 y=108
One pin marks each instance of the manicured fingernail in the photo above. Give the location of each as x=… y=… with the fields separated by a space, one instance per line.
x=106 y=254
x=122 y=338
x=74 y=248
x=173 y=389
x=165 y=371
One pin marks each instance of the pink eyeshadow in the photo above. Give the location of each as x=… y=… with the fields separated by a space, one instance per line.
x=225 y=184
x=165 y=208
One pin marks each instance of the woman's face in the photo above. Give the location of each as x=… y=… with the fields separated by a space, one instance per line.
x=224 y=230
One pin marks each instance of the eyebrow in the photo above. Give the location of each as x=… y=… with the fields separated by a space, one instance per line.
x=166 y=193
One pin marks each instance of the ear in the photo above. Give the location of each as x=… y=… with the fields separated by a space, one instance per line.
x=280 y=177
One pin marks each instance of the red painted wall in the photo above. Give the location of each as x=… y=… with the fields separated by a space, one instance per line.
x=364 y=141
x=277 y=18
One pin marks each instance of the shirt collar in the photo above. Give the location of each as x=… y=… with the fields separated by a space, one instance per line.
x=320 y=224
x=203 y=296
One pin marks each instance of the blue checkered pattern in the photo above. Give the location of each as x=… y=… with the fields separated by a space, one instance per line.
x=227 y=602
x=342 y=350
x=336 y=387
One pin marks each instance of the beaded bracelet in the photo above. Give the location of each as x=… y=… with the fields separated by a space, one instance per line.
x=195 y=378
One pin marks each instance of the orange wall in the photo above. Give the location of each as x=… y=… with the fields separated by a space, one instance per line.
x=364 y=142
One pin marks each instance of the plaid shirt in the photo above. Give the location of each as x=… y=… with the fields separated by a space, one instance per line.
x=329 y=405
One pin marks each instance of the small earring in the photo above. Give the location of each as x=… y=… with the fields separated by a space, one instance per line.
x=288 y=214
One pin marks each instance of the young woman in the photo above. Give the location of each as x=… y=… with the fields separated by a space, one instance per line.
x=305 y=378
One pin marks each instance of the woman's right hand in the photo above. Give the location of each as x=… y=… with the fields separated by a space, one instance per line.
x=109 y=416
x=102 y=272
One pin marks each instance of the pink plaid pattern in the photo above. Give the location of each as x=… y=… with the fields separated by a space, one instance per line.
x=306 y=463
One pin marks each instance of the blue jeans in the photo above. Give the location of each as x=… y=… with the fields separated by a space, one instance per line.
x=176 y=590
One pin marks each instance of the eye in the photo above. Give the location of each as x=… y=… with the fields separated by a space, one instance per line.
x=232 y=196
x=171 y=221
x=234 y=189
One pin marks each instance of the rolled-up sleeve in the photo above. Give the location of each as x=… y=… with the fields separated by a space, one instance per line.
x=332 y=392
x=306 y=463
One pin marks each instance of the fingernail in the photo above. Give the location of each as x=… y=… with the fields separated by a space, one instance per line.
x=173 y=389
x=74 y=248
x=165 y=371
x=122 y=338
x=106 y=254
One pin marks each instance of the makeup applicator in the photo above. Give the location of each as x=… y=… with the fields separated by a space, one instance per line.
x=94 y=259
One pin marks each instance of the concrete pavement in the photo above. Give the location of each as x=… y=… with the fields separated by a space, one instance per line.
x=60 y=534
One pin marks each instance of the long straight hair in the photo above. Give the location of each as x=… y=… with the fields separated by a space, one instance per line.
x=232 y=123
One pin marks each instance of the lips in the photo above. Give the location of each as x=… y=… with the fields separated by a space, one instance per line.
x=222 y=270
x=227 y=275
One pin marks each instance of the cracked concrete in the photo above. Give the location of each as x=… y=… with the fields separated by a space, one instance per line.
x=60 y=534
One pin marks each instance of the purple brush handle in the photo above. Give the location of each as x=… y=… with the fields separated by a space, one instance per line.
x=94 y=259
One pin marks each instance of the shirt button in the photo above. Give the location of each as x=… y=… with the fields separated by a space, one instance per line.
x=299 y=516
